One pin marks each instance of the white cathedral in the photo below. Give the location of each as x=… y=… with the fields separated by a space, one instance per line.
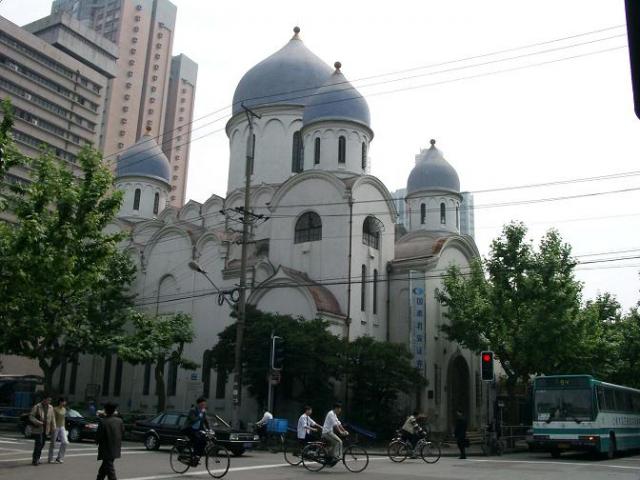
x=331 y=245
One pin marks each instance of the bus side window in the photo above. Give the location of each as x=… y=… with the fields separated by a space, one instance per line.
x=610 y=399
x=635 y=402
x=620 y=403
x=602 y=405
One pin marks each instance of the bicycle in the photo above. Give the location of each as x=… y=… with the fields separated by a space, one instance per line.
x=315 y=457
x=292 y=449
x=216 y=457
x=400 y=449
x=272 y=441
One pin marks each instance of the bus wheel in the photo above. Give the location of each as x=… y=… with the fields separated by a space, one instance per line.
x=555 y=453
x=612 y=447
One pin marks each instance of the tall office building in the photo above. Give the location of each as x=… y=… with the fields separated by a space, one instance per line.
x=58 y=100
x=467 y=215
x=177 y=142
x=144 y=94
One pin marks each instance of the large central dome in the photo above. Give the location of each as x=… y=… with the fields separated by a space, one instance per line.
x=287 y=77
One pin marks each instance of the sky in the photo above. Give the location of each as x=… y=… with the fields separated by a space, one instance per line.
x=509 y=122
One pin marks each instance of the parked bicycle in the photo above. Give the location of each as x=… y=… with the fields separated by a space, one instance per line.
x=400 y=449
x=216 y=456
x=315 y=457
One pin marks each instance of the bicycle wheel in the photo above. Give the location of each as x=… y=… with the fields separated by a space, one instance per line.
x=430 y=452
x=274 y=443
x=314 y=457
x=217 y=460
x=398 y=451
x=355 y=458
x=180 y=458
x=292 y=453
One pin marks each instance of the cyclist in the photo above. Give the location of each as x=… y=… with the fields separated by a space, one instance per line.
x=261 y=425
x=331 y=432
x=411 y=430
x=197 y=424
x=305 y=426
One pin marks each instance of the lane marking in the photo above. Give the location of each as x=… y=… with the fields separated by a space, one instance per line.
x=549 y=462
x=231 y=469
x=92 y=454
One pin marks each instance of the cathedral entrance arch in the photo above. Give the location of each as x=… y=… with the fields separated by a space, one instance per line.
x=458 y=389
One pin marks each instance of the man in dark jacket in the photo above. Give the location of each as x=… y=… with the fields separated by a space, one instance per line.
x=460 y=432
x=109 y=440
x=198 y=422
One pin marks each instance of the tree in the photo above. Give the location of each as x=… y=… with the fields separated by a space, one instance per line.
x=63 y=280
x=159 y=340
x=311 y=356
x=9 y=154
x=520 y=302
x=377 y=372
x=628 y=349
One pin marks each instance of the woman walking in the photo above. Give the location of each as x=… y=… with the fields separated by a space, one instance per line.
x=59 y=434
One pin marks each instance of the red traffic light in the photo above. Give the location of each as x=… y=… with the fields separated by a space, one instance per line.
x=486 y=358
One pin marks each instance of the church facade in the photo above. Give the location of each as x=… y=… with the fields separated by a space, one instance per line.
x=330 y=246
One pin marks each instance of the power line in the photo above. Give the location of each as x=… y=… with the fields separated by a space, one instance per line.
x=423 y=67
x=402 y=89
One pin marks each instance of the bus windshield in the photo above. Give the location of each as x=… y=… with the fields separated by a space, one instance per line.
x=564 y=405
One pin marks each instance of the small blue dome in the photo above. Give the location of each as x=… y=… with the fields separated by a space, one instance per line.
x=432 y=172
x=287 y=77
x=144 y=159
x=337 y=99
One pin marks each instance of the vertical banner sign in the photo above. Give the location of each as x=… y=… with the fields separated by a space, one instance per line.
x=417 y=320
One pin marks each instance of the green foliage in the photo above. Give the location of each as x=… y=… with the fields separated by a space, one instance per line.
x=159 y=340
x=314 y=359
x=9 y=154
x=377 y=372
x=63 y=280
x=521 y=302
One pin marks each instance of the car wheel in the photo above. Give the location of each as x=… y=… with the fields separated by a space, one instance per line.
x=151 y=442
x=236 y=452
x=75 y=435
x=28 y=431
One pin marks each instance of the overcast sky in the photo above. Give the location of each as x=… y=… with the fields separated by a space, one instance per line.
x=560 y=120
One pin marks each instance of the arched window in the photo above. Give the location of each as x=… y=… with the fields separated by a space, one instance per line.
x=296 y=153
x=316 y=152
x=136 y=199
x=375 y=291
x=371 y=232
x=364 y=156
x=457 y=216
x=342 y=149
x=423 y=214
x=443 y=214
x=308 y=228
x=117 y=382
x=363 y=289
x=156 y=203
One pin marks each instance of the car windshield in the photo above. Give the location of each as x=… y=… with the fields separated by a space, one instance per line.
x=563 y=404
x=73 y=414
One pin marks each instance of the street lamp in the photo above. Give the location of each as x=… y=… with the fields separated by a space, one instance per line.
x=222 y=295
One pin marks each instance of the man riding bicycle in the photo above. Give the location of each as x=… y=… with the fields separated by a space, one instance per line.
x=411 y=429
x=331 y=430
x=197 y=424
x=305 y=426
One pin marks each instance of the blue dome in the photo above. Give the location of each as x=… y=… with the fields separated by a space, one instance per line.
x=144 y=159
x=337 y=99
x=432 y=172
x=285 y=78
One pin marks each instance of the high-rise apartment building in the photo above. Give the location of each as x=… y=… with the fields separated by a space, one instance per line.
x=177 y=142
x=467 y=215
x=140 y=94
x=58 y=100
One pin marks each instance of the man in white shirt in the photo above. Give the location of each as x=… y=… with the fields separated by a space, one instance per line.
x=330 y=431
x=305 y=426
x=261 y=425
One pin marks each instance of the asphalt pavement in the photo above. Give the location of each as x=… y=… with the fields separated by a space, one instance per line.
x=139 y=464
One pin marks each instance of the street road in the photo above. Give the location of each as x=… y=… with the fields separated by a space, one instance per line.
x=138 y=464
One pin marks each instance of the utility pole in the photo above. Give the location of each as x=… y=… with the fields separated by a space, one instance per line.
x=242 y=301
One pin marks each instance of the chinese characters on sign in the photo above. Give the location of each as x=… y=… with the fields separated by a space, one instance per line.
x=417 y=321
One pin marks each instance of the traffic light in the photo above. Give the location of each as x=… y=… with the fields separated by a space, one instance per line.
x=277 y=353
x=486 y=366
x=633 y=33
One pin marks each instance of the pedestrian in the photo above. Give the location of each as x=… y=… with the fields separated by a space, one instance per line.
x=42 y=424
x=460 y=432
x=109 y=440
x=59 y=433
